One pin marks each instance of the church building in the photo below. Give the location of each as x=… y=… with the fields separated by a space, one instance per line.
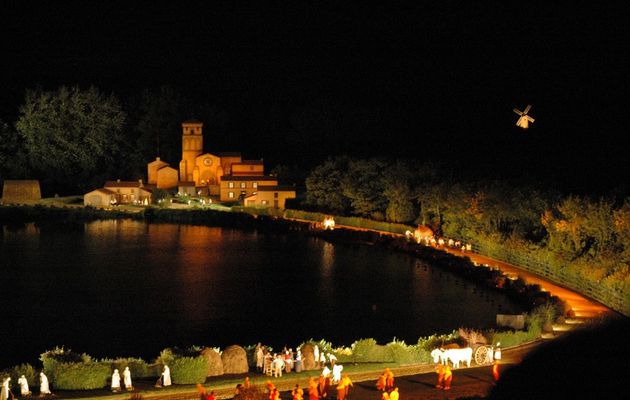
x=225 y=175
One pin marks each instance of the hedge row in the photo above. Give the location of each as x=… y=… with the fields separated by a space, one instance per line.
x=67 y=370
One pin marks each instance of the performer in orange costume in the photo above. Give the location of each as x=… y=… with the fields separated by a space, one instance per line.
x=389 y=380
x=440 y=371
x=448 y=377
x=347 y=382
x=380 y=383
x=312 y=389
x=297 y=393
x=495 y=371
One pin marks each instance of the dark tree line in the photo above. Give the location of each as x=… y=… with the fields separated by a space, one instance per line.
x=591 y=233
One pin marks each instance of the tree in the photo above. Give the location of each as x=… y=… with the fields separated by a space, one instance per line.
x=156 y=120
x=397 y=181
x=13 y=162
x=289 y=175
x=323 y=186
x=72 y=136
x=363 y=185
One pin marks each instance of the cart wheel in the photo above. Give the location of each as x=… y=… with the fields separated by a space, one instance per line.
x=481 y=355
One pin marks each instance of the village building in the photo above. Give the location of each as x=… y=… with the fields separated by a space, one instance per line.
x=235 y=188
x=119 y=192
x=270 y=196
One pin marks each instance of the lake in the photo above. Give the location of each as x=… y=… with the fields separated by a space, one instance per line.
x=128 y=288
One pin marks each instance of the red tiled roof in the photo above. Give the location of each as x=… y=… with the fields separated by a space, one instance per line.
x=238 y=178
x=122 y=184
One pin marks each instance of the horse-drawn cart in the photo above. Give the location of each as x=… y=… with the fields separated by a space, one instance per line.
x=486 y=354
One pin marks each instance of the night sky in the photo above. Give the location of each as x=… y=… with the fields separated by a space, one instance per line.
x=305 y=80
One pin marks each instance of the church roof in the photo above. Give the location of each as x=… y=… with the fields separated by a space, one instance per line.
x=248 y=178
x=158 y=161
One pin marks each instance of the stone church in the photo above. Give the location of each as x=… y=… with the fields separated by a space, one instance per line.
x=205 y=171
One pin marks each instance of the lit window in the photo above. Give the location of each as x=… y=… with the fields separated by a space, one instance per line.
x=231 y=195
x=243 y=185
x=264 y=202
x=255 y=185
x=231 y=185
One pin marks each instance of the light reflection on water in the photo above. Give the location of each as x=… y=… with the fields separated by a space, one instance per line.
x=125 y=288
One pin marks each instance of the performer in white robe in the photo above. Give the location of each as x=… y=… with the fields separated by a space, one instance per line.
x=166 y=376
x=127 y=379
x=115 y=381
x=24 y=391
x=43 y=384
x=336 y=373
x=260 y=355
x=4 y=391
x=316 y=356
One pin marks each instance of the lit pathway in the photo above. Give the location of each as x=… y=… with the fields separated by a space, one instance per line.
x=583 y=307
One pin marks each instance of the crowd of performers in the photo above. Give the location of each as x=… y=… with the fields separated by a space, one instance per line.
x=440 y=242
x=385 y=384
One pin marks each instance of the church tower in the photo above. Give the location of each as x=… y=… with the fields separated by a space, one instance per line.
x=192 y=146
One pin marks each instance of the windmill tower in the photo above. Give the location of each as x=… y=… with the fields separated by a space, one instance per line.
x=524 y=119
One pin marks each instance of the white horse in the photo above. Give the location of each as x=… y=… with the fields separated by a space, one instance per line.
x=458 y=355
x=438 y=356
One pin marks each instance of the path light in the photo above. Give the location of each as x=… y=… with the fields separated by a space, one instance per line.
x=329 y=223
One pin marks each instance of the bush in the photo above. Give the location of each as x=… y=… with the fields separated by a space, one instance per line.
x=366 y=350
x=51 y=359
x=28 y=371
x=189 y=370
x=404 y=353
x=434 y=341
x=138 y=367
x=82 y=376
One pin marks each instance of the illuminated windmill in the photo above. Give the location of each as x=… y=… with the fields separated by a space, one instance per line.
x=524 y=119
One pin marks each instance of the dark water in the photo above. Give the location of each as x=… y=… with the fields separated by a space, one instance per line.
x=124 y=288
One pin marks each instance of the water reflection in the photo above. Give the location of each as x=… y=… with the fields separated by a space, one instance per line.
x=127 y=288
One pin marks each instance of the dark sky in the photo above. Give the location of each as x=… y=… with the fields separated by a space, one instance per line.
x=437 y=80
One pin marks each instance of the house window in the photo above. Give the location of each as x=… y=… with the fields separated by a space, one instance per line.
x=264 y=202
x=243 y=185
x=255 y=185
x=231 y=185
x=230 y=195
x=275 y=195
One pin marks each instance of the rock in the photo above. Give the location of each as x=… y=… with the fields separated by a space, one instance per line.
x=234 y=360
x=215 y=363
